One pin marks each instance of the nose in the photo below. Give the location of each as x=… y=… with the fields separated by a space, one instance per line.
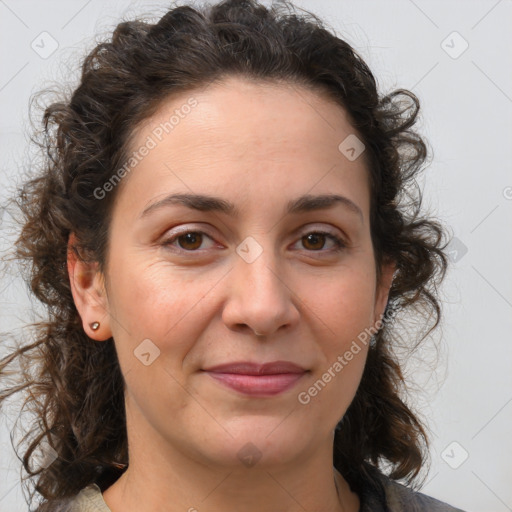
x=259 y=298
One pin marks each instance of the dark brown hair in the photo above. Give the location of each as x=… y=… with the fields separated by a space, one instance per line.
x=77 y=391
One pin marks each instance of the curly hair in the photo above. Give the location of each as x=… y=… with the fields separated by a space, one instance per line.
x=77 y=392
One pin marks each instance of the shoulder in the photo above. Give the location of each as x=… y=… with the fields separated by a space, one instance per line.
x=401 y=498
x=391 y=496
x=89 y=499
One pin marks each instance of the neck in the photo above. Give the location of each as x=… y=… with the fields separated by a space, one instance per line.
x=251 y=490
x=169 y=477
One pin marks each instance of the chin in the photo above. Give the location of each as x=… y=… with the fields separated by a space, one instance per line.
x=264 y=444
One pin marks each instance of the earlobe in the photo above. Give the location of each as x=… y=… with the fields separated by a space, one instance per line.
x=88 y=289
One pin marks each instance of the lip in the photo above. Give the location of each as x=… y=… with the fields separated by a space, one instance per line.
x=255 y=379
x=250 y=368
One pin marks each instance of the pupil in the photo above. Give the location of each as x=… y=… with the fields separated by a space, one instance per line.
x=191 y=238
x=314 y=238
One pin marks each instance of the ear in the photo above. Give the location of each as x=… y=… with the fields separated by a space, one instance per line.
x=383 y=287
x=88 y=289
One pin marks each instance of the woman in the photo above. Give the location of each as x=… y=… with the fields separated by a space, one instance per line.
x=225 y=230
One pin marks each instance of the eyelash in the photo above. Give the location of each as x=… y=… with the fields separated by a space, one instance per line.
x=340 y=244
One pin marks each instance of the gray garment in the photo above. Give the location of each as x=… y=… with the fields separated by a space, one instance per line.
x=388 y=496
x=391 y=496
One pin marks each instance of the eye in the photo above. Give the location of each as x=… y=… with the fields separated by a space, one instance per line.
x=191 y=241
x=314 y=239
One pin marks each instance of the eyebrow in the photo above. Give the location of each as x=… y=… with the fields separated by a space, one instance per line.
x=205 y=203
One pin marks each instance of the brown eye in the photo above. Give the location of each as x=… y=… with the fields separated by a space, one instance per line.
x=315 y=241
x=190 y=241
x=186 y=241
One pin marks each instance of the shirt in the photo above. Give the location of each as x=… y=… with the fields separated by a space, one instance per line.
x=388 y=496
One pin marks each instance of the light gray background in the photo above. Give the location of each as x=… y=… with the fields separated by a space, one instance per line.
x=466 y=99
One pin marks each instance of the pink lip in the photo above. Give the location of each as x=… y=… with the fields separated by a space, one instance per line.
x=258 y=379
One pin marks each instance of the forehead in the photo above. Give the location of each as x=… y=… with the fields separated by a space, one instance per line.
x=248 y=114
x=244 y=136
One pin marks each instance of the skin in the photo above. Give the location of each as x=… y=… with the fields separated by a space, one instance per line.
x=257 y=145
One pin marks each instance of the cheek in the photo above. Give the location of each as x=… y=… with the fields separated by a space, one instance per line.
x=343 y=302
x=152 y=300
x=343 y=308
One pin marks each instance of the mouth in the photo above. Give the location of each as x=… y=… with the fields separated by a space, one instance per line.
x=258 y=385
x=255 y=379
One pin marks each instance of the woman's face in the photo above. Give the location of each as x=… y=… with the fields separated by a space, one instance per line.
x=179 y=304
